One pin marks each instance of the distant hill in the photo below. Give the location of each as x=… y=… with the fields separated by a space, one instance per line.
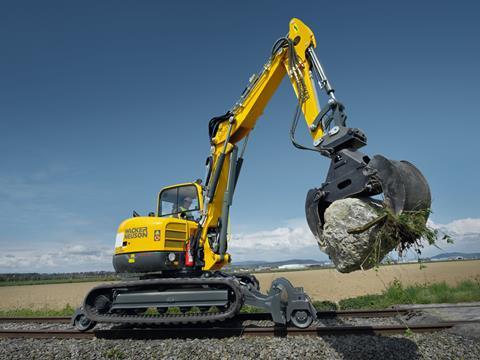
x=257 y=263
x=456 y=254
x=274 y=264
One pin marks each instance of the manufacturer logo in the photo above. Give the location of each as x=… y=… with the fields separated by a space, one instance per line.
x=135 y=233
x=156 y=235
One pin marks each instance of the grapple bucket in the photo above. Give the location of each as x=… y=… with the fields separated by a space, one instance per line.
x=403 y=186
x=352 y=173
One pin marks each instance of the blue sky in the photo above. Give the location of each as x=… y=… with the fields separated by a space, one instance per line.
x=104 y=103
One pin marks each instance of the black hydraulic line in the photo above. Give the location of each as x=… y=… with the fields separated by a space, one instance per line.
x=296 y=117
x=292 y=64
x=240 y=162
x=208 y=165
x=280 y=43
x=221 y=159
x=216 y=176
x=237 y=172
x=195 y=244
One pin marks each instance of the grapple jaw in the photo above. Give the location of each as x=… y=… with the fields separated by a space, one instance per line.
x=403 y=186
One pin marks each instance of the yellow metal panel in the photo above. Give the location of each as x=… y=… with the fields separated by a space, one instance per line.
x=174 y=244
x=176 y=227
x=175 y=235
x=145 y=233
x=175 y=231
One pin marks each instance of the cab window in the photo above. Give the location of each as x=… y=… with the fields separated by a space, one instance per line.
x=180 y=202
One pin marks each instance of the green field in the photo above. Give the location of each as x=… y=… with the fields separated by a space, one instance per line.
x=56 y=281
x=396 y=293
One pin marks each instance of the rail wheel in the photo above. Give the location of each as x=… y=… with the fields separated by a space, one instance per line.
x=301 y=318
x=82 y=323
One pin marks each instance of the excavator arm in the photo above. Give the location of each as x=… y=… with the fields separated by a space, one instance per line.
x=351 y=172
x=289 y=57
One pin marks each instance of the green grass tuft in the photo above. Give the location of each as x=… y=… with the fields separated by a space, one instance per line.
x=68 y=310
x=396 y=293
x=404 y=231
x=325 y=305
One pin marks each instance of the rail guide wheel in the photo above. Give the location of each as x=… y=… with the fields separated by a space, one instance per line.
x=301 y=319
x=81 y=322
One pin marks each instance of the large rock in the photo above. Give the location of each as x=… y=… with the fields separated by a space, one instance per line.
x=350 y=252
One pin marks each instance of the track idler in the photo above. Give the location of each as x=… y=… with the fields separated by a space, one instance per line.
x=403 y=186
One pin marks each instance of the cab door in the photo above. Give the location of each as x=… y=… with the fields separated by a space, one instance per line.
x=180 y=202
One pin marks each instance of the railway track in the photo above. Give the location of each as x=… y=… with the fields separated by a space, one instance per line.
x=223 y=332
x=240 y=317
x=231 y=328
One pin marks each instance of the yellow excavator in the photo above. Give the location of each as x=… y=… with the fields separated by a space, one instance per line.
x=177 y=252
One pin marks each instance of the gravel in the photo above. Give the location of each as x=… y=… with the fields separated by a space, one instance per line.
x=436 y=345
x=439 y=345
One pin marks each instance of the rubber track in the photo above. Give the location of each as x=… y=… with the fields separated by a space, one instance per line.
x=166 y=319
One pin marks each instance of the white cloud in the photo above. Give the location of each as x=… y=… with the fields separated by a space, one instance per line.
x=465 y=234
x=288 y=242
x=291 y=241
x=466 y=226
x=296 y=241
x=69 y=258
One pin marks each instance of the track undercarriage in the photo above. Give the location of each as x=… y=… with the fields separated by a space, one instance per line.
x=206 y=298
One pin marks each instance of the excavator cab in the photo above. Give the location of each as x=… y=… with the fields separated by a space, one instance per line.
x=146 y=244
x=182 y=202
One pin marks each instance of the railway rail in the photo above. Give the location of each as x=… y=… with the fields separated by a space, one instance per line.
x=222 y=332
x=242 y=316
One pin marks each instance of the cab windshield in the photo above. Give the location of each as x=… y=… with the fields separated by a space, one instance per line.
x=180 y=202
